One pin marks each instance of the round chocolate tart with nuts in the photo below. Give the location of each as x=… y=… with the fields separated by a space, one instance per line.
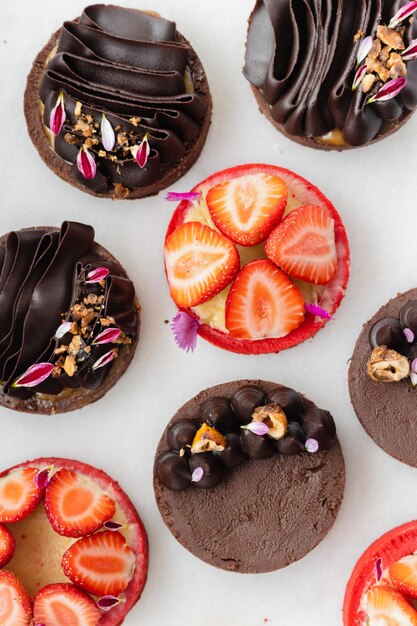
x=333 y=74
x=117 y=103
x=383 y=376
x=69 y=319
x=249 y=476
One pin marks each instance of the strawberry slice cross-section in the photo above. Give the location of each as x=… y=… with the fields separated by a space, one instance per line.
x=64 y=605
x=7 y=545
x=385 y=605
x=403 y=575
x=19 y=494
x=15 y=604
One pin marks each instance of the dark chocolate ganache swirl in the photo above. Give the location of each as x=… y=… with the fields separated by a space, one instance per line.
x=134 y=68
x=44 y=282
x=301 y=55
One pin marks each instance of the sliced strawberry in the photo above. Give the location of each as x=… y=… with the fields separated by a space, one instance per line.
x=101 y=564
x=200 y=262
x=75 y=505
x=19 y=494
x=263 y=302
x=247 y=208
x=15 y=603
x=7 y=545
x=303 y=244
x=385 y=605
x=65 y=605
x=403 y=575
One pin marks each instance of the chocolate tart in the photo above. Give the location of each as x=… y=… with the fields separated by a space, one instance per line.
x=301 y=62
x=143 y=75
x=51 y=277
x=387 y=410
x=260 y=513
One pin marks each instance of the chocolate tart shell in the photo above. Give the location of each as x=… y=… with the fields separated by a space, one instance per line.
x=72 y=399
x=63 y=169
x=387 y=411
x=266 y=514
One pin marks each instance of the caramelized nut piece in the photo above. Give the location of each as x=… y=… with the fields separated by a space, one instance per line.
x=387 y=366
x=378 y=68
x=208 y=439
x=70 y=366
x=368 y=82
x=375 y=50
x=390 y=37
x=274 y=417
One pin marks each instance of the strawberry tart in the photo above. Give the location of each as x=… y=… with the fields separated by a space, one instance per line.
x=257 y=260
x=73 y=549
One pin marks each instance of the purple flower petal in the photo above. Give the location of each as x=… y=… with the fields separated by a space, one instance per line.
x=411 y=52
x=312 y=446
x=57 y=117
x=409 y=335
x=378 y=570
x=43 y=478
x=364 y=49
x=257 y=428
x=390 y=90
x=185 y=329
x=413 y=378
x=86 y=163
x=173 y=196
x=110 y=525
x=104 y=360
x=143 y=151
x=110 y=335
x=197 y=475
x=405 y=11
x=414 y=366
x=63 y=330
x=106 y=603
x=108 y=138
x=314 y=309
x=34 y=375
x=359 y=76
x=97 y=275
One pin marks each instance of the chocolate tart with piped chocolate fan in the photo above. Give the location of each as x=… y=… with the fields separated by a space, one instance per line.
x=69 y=319
x=117 y=103
x=249 y=476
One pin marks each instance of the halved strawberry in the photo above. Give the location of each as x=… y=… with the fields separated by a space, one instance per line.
x=247 y=208
x=303 y=244
x=64 y=605
x=15 y=603
x=200 y=262
x=101 y=564
x=7 y=545
x=19 y=494
x=403 y=575
x=263 y=302
x=75 y=505
x=385 y=605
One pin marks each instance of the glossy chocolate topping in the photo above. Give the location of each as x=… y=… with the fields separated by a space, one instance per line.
x=301 y=55
x=42 y=284
x=129 y=65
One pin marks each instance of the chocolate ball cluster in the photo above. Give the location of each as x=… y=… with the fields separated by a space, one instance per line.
x=201 y=450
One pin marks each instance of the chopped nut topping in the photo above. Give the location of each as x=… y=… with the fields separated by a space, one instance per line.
x=70 y=366
x=208 y=439
x=61 y=350
x=74 y=328
x=387 y=365
x=75 y=345
x=120 y=191
x=92 y=298
x=390 y=37
x=358 y=35
x=70 y=138
x=135 y=120
x=375 y=50
x=78 y=108
x=122 y=139
x=102 y=153
x=368 y=82
x=378 y=68
x=274 y=417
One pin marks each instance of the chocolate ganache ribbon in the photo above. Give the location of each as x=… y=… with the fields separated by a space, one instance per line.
x=301 y=54
x=43 y=276
x=134 y=68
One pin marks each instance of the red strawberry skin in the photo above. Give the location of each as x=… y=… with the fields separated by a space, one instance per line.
x=335 y=290
x=73 y=594
x=11 y=581
x=7 y=545
x=391 y=547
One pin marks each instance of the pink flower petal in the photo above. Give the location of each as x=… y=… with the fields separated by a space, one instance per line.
x=108 y=336
x=411 y=52
x=257 y=428
x=57 y=117
x=197 y=475
x=63 y=330
x=390 y=90
x=364 y=49
x=86 y=163
x=34 y=375
x=143 y=151
x=312 y=446
x=314 y=309
x=359 y=76
x=378 y=569
x=104 y=360
x=413 y=378
x=405 y=11
x=110 y=525
x=43 y=478
x=185 y=329
x=106 y=603
x=173 y=196
x=409 y=335
x=414 y=366
x=108 y=138
x=97 y=275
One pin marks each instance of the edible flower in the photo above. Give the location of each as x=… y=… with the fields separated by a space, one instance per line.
x=109 y=335
x=390 y=90
x=104 y=360
x=406 y=11
x=413 y=373
x=173 y=196
x=142 y=152
x=34 y=375
x=410 y=53
x=109 y=602
x=364 y=49
x=86 y=163
x=108 y=138
x=197 y=475
x=57 y=117
x=257 y=428
x=409 y=335
x=359 y=76
x=378 y=569
x=43 y=477
x=63 y=330
x=185 y=330
x=97 y=275
x=110 y=525
x=312 y=446
x=314 y=309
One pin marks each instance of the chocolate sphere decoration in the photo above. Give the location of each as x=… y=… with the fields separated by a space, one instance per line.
x=245 y=400
x=293 y=442
x=255 y=446
x=408 y=316
x=388 y=332
x=290 y=401
x=173 y=471
x=212 y=470
x=181 y=434
x=411 y=352
x=233 y=454
x=218 y=412
x=319 y=425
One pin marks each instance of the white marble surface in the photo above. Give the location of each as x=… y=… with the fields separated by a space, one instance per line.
x=374 y=191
